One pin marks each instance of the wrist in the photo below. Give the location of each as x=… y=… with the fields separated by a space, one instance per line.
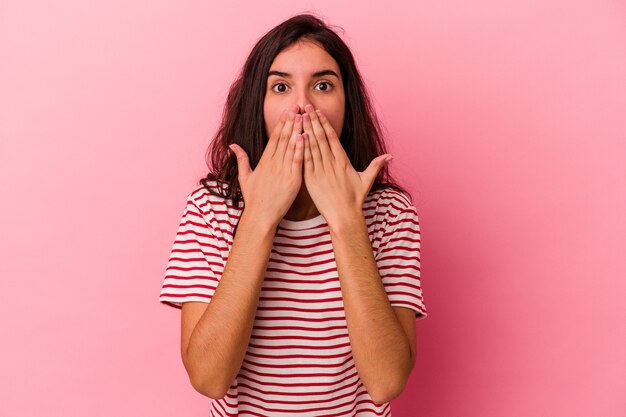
x=256 y=223
x=346 y=224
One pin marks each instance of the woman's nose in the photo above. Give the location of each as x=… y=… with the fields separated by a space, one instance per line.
x=299 y=107
x=301 y=104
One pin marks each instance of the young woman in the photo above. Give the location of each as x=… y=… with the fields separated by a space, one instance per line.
x=297 y=260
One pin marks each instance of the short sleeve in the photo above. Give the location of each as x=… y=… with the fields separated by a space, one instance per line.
x=195 y=264
x=398 y=260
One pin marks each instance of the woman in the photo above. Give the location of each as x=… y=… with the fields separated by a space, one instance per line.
x=302 y=298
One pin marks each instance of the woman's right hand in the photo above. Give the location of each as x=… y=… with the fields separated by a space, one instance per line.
x=271 y=188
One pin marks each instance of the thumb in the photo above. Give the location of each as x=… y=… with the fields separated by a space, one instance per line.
x=243 y=163
x=374 y=168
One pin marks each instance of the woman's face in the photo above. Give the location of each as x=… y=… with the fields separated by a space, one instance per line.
x=297 y=83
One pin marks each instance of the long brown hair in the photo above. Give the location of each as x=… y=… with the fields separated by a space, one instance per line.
x=243 y=119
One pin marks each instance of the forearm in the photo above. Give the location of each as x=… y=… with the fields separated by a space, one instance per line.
x=220 y=339
x=380 y=348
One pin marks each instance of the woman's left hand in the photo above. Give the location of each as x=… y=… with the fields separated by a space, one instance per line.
x=336 y=188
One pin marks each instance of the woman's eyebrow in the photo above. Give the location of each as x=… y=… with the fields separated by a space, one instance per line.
x=315 y=74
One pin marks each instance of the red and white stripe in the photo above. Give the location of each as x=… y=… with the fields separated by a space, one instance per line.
x=299 y=360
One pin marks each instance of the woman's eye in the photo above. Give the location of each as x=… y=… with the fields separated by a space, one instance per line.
x=327 y=83
x=328 y=87
x=279 y=84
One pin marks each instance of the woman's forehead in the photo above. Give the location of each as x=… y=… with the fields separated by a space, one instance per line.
x=306 y=58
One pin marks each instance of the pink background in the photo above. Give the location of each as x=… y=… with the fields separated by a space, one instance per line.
x=507 y=121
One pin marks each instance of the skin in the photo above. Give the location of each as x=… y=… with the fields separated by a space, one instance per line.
x=324 y=92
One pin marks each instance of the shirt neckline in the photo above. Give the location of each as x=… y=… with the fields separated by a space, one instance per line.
x=302 y=224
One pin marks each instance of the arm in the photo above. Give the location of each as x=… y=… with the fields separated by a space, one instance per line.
x=381 y=350
x=215 y=336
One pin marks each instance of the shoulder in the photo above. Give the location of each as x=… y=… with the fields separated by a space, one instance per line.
x=389 y=202
x=211 y=196
x=385 y=208
x=211 y=203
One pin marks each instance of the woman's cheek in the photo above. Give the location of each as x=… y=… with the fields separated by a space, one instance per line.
x=336 y=126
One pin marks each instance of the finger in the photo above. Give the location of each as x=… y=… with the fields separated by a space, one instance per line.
x=316 y=155
x=331 y=135
x=243 y=163
x=309 y=165
x=275 y=135
x=296 y=163
x=371 y=172
x=322 y=141
x=297 y=128
x=285 y=134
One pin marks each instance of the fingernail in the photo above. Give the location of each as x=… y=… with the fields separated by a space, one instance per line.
x=389 y=158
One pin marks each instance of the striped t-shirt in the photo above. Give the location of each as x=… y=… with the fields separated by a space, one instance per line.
x=299 y=361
